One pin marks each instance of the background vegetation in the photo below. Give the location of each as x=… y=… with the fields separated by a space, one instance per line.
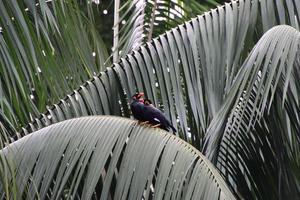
x=228 y=79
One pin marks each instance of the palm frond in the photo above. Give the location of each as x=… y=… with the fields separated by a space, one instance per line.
x=46 y=49
x=251 y=135
x=195 y=73
x=111 y=158
x=163 y=15
x=64 y=50
x=128 y=28
x=138 y=21
x=205 y=54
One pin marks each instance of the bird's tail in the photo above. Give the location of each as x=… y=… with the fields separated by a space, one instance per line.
x=173 y=128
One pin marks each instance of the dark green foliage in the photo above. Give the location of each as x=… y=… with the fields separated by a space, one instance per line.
x=227 y=78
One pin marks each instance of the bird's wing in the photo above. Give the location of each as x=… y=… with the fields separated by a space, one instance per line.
x=154 y=114
x=155 y=119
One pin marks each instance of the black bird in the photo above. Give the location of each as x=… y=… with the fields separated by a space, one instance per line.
x=143 y=110
x=156 y=116
x=137 y=106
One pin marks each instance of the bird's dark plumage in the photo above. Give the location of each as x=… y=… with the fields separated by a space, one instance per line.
x=156 y=116
x=143 y=110
x=137 y=107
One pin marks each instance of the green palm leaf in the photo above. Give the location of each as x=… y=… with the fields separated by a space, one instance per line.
x=191 y=54
x=195 y=73
x=64 y=49
x=44 y=54
x=111 y=158
x=251 y=133
x=138 y=21
x=163 y=15
x=128 y=36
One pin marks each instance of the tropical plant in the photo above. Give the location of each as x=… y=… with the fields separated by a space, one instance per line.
x=48 y=48
x=228 y=80
x=85 y=158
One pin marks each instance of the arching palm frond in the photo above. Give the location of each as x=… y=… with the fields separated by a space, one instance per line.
x=204 y=63
x=111 y=158
x=261 y=138
x=64 y=49
x=195 y=72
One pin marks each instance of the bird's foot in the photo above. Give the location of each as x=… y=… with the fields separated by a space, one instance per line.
x=144 y=123
x=156 y=126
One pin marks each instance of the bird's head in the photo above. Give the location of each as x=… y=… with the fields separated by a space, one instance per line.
x=138 y=96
